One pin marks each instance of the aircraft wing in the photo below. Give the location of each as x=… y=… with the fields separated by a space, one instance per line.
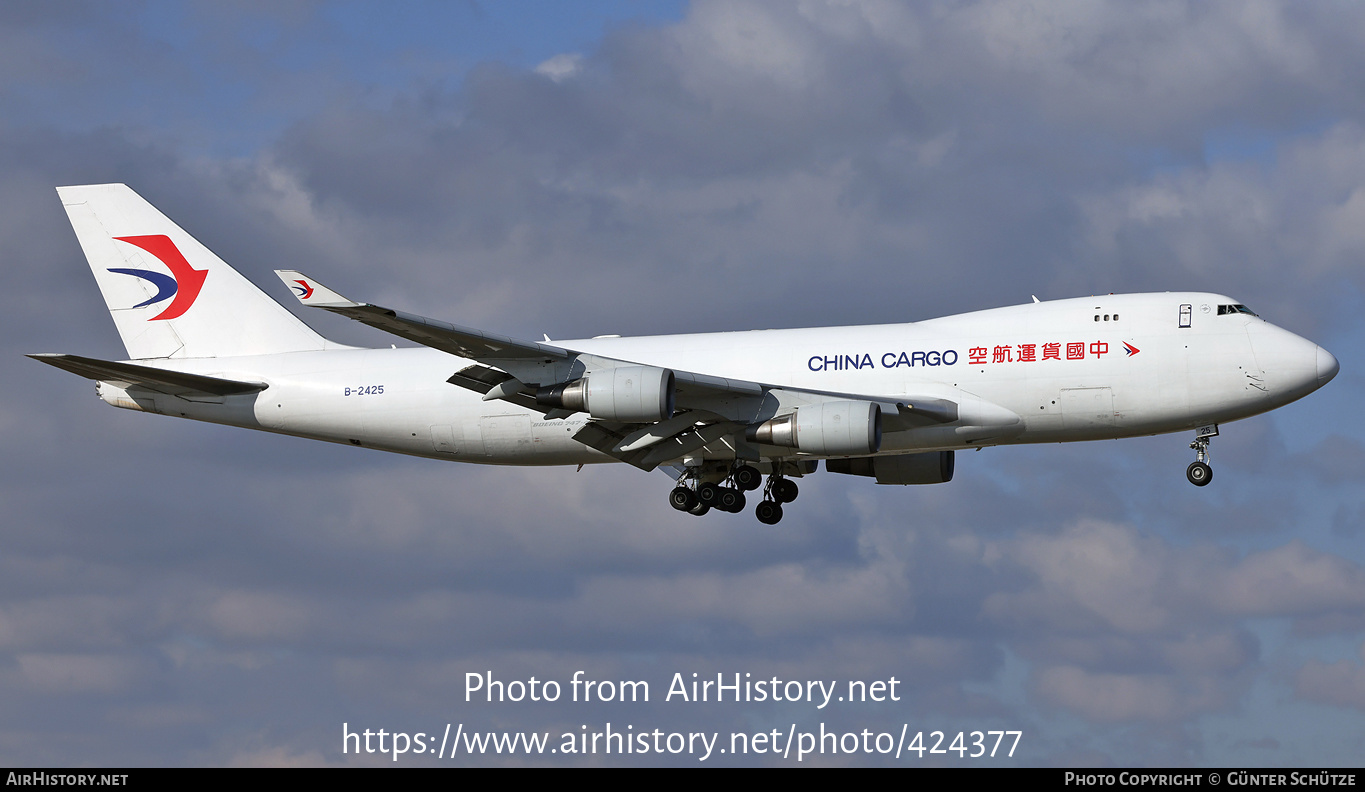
x=494 y=350
x=466 y=342
x=173 y=383
x=708 y=407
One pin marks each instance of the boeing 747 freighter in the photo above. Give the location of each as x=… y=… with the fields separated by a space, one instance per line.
x=718 y=411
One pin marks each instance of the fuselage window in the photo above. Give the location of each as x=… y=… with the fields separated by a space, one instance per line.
x=1186 y=313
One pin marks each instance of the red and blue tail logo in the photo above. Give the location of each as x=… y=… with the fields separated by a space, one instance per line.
x=183 y=283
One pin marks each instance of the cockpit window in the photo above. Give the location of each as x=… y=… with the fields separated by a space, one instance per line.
x=1235 y=309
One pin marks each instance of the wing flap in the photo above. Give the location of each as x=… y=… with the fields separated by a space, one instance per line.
x=611 y=438
x=482 y=379
x=605 y=437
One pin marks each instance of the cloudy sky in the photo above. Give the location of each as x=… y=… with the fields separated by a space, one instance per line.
x=176 y=593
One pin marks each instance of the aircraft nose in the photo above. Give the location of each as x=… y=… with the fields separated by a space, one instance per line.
x=1327 y=366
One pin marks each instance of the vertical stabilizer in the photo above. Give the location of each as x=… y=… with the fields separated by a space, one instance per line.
x=170 y=296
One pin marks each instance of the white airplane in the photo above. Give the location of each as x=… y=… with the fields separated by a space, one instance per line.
x=717 y=411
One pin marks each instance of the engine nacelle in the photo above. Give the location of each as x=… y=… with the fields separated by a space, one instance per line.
x=630 y=394
x=836 y=428
x=933 y=467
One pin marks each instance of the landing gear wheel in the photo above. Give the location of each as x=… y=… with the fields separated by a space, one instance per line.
x=709 y=493
x=682 y=499
x=699 y=509
x=785 y=490
x=747 y=478
x=769 y=512
x=730 y=500
x=1199 y=474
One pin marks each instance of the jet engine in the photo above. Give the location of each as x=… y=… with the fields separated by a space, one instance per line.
x=835 y=428
x=630 y=394
x=933 y=467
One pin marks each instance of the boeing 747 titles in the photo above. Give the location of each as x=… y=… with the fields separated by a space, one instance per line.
x=717 y=411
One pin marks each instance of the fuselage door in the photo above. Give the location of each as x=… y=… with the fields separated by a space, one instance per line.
x=1087 y=408
x=446 y=439
x=507 y=436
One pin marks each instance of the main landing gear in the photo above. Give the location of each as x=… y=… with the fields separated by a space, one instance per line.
x=697 y=496
x=1199 y=473
x=779 y=491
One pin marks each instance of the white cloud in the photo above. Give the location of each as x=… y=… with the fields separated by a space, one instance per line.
x=1119 y=698
x=1339 y=684
x=1139 y=584
x=561 y=67
x=76 y=673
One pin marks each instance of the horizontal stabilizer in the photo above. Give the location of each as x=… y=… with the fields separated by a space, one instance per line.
x=174 y=383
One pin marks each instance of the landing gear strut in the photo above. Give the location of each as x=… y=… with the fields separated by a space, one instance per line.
x=1199 y=473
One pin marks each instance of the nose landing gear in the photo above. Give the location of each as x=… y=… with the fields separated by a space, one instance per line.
x=1199 y=473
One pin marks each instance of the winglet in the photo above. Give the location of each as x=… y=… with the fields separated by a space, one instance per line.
x=310 y=292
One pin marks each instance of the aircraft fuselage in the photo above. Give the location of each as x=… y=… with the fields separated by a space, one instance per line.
x=1078 y=369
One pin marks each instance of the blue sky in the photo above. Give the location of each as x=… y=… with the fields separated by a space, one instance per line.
x=174 y=593
x=236 y=76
